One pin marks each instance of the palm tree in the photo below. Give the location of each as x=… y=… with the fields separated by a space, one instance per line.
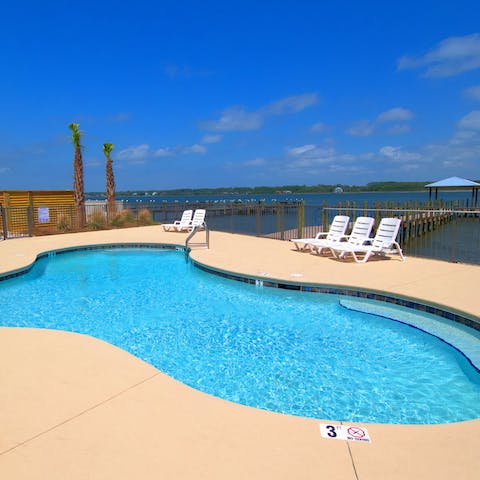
x=78 y=185
x=110 y=187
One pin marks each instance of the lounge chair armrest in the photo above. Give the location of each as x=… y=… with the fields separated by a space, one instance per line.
x=320 y=235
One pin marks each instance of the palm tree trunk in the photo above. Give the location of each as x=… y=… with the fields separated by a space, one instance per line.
x=110 y=187
x=78 y=188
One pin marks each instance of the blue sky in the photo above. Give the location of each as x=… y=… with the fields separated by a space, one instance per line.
x=239 y=93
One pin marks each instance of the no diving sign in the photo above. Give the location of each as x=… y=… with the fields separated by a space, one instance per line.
x=352 y=433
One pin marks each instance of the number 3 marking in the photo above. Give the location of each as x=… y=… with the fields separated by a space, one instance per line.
x=332 y=433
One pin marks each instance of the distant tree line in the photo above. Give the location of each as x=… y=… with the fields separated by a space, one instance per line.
x=293 y=189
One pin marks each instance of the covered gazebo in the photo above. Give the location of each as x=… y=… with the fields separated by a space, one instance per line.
x=454 y=183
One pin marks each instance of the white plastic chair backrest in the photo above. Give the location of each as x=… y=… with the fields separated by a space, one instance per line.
x=186 y=217
x=361 y=230
x=198 y=217
x=338 y=227
x=386 y=233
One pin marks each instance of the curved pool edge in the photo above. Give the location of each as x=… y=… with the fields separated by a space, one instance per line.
x=179 y=436
x=421 y=305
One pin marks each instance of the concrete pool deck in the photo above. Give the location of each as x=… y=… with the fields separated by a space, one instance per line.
x=75 y=407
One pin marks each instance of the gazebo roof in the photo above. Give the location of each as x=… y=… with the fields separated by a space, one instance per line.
x=453 y=182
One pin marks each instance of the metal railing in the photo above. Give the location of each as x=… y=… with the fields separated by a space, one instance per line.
x=195 y=230
x=450 y=234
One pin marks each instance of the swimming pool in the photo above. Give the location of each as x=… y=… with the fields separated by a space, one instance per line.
x=286 y=351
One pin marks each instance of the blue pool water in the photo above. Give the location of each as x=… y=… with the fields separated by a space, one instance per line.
x=286 y=351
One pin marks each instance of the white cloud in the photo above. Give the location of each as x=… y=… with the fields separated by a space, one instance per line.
x=458 y=155
x=450 y=57
x=211 y=138
x=140 y=152
x=362 y=128
x=311 y=156
x=179 y=150
x=397 y=114
x=398 y=155
x=163 y=152
x=300 y=150
x=196 y=148
x=462 y=150
x=473 y=92
x=236 y=118
x=470 y=121
x=365 y=128
x=448 y=164
x=292 y=104
x=318 y=127
x=257 y=162
x=461 y=137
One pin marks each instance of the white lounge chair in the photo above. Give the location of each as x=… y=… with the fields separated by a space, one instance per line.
x=384 y=242
x=198 y=219
x=337 y=230
x=179 y=225
x=360 y=234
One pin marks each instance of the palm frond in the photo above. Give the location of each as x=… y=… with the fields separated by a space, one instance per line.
x=107 y=148
x=76 y=135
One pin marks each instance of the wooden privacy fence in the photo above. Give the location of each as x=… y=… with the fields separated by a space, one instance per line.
x=28 y=212
x=43 y=217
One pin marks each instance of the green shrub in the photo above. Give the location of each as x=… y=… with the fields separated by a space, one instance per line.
x=123 y=219
x=145 y=217
x=97 y=220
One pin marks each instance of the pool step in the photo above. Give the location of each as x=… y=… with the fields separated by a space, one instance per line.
x=464 y=339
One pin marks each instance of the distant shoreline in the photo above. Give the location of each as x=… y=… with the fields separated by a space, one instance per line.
x=165 y=193
x=371 y=187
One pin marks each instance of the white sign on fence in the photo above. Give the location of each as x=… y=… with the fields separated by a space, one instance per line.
x=43 y=215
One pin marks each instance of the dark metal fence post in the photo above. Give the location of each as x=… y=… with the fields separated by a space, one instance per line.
x=3 y=212
x=300 y=219
x=454 y=237
x=280 y=227
x=30 y=221
x=324 y=217
x=258 y=220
